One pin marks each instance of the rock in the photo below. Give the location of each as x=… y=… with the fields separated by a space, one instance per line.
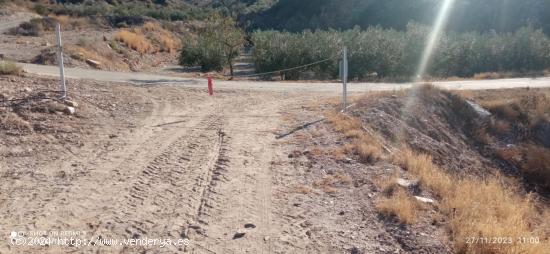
x=93 y=63
x=355 y=250
x=27 y=90
x=406 y=183
x=266 y=238
x=69 y=110
x=73 y=104
x=239 y=235
x=249 y=225
x=481 y=112
x=425 y=200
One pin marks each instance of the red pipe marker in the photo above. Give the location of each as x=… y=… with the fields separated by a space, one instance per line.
x=210 y=86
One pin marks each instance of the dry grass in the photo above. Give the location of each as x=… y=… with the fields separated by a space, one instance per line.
x=10 y=68
x=430 y=175
x=367 y=147
x=133 y=40
x=368 y=152
x=13 y=121
x=338 y=153
x=536 y=166
x=401 y=205
x=483 y=209
x=388 y=185
x=512 y=155
x=163 y=38
x=533 y=161
x=302 y=189
x=526 y=109
x=328 y=183
x=490 y=75
x=501 y=127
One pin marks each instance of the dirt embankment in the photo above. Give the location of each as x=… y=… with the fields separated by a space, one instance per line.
x=349 y=162
x=132 y=43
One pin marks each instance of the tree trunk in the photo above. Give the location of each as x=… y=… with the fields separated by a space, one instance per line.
x=231 y=68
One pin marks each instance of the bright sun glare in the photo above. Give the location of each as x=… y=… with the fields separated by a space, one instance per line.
x=438 y=26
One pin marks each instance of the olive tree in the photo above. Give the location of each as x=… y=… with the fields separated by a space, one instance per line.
x=216 y=46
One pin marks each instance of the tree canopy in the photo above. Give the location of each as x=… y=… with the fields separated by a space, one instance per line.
x=467 y=15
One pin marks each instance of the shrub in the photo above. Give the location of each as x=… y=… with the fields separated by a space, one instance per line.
x=537 y=165
x=10 y=68
x=216 y=45
x=32 y=28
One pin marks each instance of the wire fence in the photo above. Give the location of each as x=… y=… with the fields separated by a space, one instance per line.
x=289 y=69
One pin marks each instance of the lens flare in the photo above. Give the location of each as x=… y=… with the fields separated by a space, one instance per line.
x=433 y=38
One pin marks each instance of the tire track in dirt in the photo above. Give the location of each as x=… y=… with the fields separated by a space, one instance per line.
x=162 y=197
x=244 y=219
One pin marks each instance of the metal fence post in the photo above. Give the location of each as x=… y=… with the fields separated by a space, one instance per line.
x=60 y=61
x=345 y=79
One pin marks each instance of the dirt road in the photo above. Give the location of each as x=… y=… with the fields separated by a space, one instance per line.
x=148 y=79
x=197 y=168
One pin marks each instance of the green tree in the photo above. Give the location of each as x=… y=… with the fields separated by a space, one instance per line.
x=216 y=46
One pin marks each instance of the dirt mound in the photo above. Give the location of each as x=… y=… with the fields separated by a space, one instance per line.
x=33 y=117
x=433 y=121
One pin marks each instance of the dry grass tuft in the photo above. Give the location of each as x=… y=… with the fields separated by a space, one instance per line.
x=501 y=127
x=482 y=209
x=343 y=179
x=367 y=147
x=401 y=205
x=10 y=68
x=489 y=75
x=165 y=40
x=344 y=124
x=368 y=152
x=512 y=155
x=134 y=41
x=430 y=175
x=302 y=189
x=13 y=121
x=388 y=185
x=338 y=153
x=537 y=165
x=328 y=183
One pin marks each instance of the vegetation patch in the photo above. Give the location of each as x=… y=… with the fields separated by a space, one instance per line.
x=215 y=47
x=481 y=209
x=134 y=40
x=386 y=53
x=366 y=147
x=10 y=68
x=399 y=204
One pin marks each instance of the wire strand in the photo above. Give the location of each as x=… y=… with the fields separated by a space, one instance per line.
x=289 y=69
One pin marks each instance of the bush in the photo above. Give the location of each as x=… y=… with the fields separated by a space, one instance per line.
x=32 y=28
x=216 y=46
x=10 y=68
x=391 y=53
